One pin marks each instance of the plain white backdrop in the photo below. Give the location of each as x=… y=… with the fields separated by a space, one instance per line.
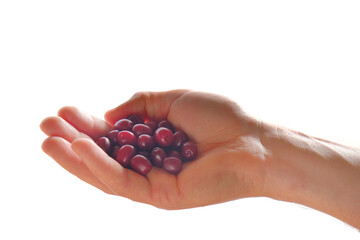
x=293 y=63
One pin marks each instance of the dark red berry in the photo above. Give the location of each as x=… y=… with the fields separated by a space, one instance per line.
x=112 y=136
x=125 y=154
x=104 y=144
x=166 y=124
x=140 y=128
x=174 y=153
x=145 y=142
x=157 y=156
x=140 y=164
x=126 y=137
x=172 y=165
x=152 y=124
x=164 y=137
x=145 y=154
x=115 y=151
x=136 y=119
x=179 y=138
x=189 y=151
x=124 y=124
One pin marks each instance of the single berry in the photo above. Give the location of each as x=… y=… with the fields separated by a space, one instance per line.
x=145 y=154
x=189 y=151
x=179 y=138
x=125 y=154
x=157 y=156
x=126 y=137
x=136 y=119
x=115 y=151
x=140 y=128
x=164 y=137
x=172 y=165
x=124 y=124
x=166 y=124
x=104 y=144
x=152 y=124
x=140 y=164
x=112 y=136
x=145 y=142
x=174 y=153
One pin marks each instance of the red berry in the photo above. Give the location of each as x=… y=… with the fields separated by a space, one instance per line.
x=104 y=144
x=174 y=153
x=140 y=128
x=140 y=164
x=151 y=124
x=166 y=124
x=124 y=124
x=112 y=136
x=126 y=137
x=172 y=165
x=115 y=151
x=136 y=119
x=157 y=156
x=189 y=151
x=164 y=137
x=145 y=142
x=179 y=138
x=125 y=154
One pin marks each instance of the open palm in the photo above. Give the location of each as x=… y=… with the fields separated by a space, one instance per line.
x=228 y=165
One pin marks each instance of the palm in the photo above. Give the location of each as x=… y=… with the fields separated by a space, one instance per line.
x=214 y=123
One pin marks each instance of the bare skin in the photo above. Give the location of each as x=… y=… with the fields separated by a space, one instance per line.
x=239 y=157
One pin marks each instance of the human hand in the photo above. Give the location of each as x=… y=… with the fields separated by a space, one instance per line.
x=229 y=165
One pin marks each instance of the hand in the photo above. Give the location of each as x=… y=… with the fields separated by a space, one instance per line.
x=228 y=167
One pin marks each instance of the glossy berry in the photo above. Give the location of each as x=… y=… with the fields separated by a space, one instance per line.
x=124 y=124
x=104 y=144
x=179 y=138
x=140 y=164
x=126 y=137
x=125 y=154
x=164 y=137
x=189 y=151
x=145 y=142
x=136 y=119
x=157 y=156
x=140 y=128
x=115 y=151
x=173 y=153
x=172 y=165
x=112 y=136
x=145 y=154
x=166 y=124
x=152 y=124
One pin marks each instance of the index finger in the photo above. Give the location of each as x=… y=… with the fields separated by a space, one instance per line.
x=148 y=105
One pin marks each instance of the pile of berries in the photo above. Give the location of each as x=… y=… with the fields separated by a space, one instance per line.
x=139 y=145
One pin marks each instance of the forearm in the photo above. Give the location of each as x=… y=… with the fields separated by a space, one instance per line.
x=313 y=172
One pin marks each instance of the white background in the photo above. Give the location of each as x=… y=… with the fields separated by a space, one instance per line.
x=294 y=63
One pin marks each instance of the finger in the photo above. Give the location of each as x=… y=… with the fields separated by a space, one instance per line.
x=83 y=122
x=121 y=181
x=149 y=105
x=56 y=126
x=60 y=150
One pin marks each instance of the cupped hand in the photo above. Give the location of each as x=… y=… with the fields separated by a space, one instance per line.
x=229 y=165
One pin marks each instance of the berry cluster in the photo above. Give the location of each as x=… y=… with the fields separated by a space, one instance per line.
x=139 y=145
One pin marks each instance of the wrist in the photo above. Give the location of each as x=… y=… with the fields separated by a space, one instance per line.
x=312 y=172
